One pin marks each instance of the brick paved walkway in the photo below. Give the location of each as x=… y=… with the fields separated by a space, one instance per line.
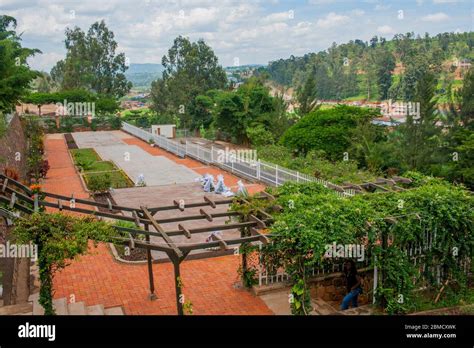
x=97 y=278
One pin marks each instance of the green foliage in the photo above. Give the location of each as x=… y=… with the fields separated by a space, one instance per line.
x=301 y=299
x=59 y=238
x=99 y=183
x=37 y=166
x=191 y=69
x=104 y=105
x=91 y=62
x=306 y=95
x=315 y=164
x=365 y=70
x=259 y=136
x=329 y=130
x=249 y=277
x=15 y=75
x=249 y=111
x=313 y=216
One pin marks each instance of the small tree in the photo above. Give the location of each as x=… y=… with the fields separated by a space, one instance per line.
x=59 y=238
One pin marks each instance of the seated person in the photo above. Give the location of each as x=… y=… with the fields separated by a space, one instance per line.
x=353 y=284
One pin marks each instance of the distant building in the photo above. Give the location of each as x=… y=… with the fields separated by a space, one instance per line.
x=166 y=130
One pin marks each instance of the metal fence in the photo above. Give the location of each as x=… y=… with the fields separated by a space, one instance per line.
x=265 y=172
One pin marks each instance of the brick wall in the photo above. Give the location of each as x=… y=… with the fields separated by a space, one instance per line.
x=13 y=142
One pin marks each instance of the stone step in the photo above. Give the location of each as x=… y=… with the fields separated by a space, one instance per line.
x=59 y=305
x=17 y=309
x=114 y=311
x=95 y=310
x=321 y=307
x=361 y=310
x=77 y=308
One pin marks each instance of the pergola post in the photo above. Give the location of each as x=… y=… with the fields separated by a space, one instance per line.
x=150 y=267
x=244 y=255
x=178 y=284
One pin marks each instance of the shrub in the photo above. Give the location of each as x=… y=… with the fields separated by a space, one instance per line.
x=99 y=183
x=259 y=136
x=327 y=129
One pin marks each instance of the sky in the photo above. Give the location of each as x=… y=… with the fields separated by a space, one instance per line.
x=239 y=32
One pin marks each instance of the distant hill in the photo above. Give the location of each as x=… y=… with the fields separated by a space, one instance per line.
x=379 y=69
x=142 y=75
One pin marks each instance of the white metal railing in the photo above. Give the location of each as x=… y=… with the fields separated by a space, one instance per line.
x=265 y=172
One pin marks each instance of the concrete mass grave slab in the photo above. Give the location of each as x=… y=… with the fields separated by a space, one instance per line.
x=93 y=139
x=164 y=196
x=157 y=170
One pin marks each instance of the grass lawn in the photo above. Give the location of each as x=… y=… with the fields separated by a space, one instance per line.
x=118 y=178
x=91 y=163
x=80 y=155
x=101 y=166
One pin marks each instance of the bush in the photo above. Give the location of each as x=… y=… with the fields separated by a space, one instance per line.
x=259 y=136
x=329 y=130
x=99 y=183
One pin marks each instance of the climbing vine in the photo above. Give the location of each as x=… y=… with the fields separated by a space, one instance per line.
x=386 y=224
x=59 y=238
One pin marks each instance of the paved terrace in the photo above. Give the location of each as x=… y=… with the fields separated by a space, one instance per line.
x=157 y=170
x=97 y=278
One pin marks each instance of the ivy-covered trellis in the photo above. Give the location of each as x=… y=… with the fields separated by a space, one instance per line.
x=416 y=238
x=61 y=237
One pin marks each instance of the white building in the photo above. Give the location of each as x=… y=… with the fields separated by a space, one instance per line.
x=166 y=130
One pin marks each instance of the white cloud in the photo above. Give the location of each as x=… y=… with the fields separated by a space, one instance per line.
x=278 y=17
x=358 y=12
x=320 y=2
x=380 y=7
x=44 y=61
x=256 y=31
x=385 y=29
x=445 y=1
x=331 y=20
x=435 y=17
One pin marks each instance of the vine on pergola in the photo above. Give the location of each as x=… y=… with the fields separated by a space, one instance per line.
x=386 y=223
x=59 y=238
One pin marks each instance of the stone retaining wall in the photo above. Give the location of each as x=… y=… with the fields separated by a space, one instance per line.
x=332 y=287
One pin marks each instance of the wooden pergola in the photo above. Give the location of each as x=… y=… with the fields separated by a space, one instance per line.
x=20 y=197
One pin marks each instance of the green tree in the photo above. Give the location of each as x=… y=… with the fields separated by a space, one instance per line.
x=15 y=75
x=249 y=106
x=191 y=69
x=306 y=95
x=420 y=134
x=384 y=65
x=329 y=130
x=92 y=62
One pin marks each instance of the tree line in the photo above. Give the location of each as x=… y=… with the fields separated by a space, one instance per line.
x=367 y=69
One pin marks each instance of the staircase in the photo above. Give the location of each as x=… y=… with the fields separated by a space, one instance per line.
x=77 y=308
x=321 y=307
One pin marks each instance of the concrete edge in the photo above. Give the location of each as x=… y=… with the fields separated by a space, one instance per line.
x=205 y=255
